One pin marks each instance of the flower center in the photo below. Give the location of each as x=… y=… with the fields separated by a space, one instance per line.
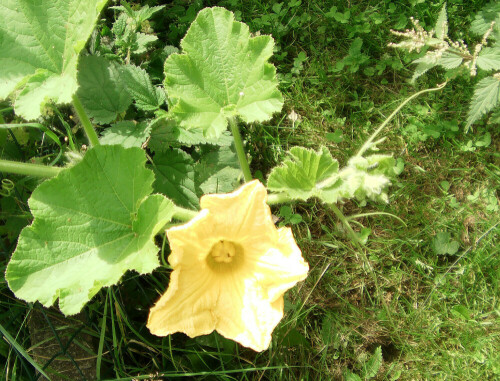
x=225 y=255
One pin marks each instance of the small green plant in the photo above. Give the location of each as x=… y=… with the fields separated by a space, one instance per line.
x=369 y=368
x=132 y=33
x=457 y=58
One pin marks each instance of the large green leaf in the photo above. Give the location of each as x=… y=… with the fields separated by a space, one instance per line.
x=92 y=223
x=174 y=170
x=486 y=97
x=489 y=59
x=166 y=133
x=306 y=174
x=39 y=44
x=222 y=73
x=102 y=91
x=488 y=14
x=217 y=170
x=126 y=133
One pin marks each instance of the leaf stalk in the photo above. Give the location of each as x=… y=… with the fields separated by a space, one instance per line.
x=183 y=214
x=87 y=125
x=240 y=150
x=370 y=140
x=278 y=198
x=28 y=169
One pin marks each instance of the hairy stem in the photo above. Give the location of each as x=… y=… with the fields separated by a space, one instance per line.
x=345 y=222
x=183 y=214
x=368 y=143
x=28 y=169
x=361 y=249
x=240 y=150
x=87 y=125
x=278 y=198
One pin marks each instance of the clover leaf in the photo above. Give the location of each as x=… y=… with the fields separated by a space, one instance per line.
x=221 y=73
x=92 y=223
x=40 y=42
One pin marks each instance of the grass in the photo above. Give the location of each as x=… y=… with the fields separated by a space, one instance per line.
x=435 y=317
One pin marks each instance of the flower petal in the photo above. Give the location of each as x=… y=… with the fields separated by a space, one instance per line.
x=190 y=242
x=280 y=267
x=242 y=297
x=187 y=306
x=243 y=213
x=246 y=315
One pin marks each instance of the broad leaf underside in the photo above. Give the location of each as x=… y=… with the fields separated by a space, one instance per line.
x=92 y=223
x=39 y=44
x=306 y=174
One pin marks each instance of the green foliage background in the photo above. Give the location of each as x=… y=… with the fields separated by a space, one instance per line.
x=423 y=304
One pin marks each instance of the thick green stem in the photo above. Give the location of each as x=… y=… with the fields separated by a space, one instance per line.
x=240 y=150
x=87 y=125
x=278 y=198
x=28 y=169
x=183 y=214
x=345 y=222
x=369 y=142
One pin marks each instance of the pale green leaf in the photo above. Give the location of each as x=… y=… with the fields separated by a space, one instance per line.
x=39 y=43
x=174 y=171
x=166 y=133
x=449 y=60
x=139 y=86
x=146 y=12
x=372 y=366
x=349 y=376
x=364 y=178
x=306 y=174
x=102 y=90
x=217 y=170
x=488 y=14
x=126 y=133
x=222 y=73
x=486 y=97
x=442 y=24
x=92 y=223
x=489 y=59
x=422 y=67
x=144 y=42
x=444 y=245
x=140 y=15
x=120 y=25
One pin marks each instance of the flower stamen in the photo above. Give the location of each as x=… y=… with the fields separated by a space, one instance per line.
x=225 y=255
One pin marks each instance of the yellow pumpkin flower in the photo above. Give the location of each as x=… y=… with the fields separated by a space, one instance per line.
x=231 y=268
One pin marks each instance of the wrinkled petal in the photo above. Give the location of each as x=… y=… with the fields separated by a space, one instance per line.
x=246 y=315
x=187 y=305
x=189 y=242
x=280 y=268
x=249 y=217
x=231 y=268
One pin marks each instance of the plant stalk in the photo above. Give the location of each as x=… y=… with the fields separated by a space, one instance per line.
x=240 y=150
x=345 y=222
x=278 y=198
x=87 y=125
x=28 y=169
x=183 y=214
x=368 y=143
x=366 y=262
